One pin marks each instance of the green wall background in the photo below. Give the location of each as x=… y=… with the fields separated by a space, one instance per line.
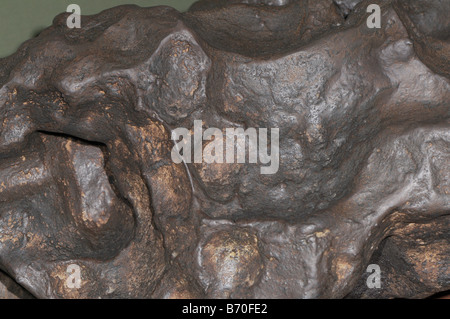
x=21 y=20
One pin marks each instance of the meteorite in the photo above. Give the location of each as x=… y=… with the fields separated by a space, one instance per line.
x=86 y=136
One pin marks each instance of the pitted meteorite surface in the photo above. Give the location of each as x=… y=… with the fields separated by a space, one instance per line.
x=87 y=177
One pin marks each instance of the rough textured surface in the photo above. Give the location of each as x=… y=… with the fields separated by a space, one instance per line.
x=9 y=289
x=86 y=175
